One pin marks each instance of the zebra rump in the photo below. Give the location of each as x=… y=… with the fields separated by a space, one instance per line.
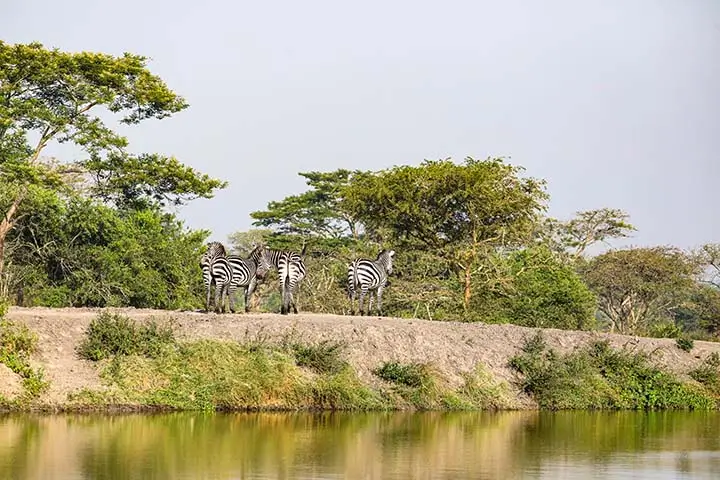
x=369 y=275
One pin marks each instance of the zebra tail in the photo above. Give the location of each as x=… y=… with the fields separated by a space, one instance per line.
x=355 y=274
x=286 y=292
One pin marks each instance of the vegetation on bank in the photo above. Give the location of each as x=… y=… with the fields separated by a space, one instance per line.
x=162 y=372
x=17 y=344
x=145 y=365
x=600 y=377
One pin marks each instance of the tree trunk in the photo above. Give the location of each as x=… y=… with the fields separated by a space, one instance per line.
x=467 y=293
x=2 y=255
x=6 y=225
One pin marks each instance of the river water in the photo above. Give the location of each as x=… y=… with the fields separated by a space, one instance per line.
x=506 y=445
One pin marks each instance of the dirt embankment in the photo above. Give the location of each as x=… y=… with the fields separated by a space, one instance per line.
x=452 y=348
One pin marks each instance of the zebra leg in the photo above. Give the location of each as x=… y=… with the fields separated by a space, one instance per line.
x=208 y=289
x=283 y=293
x=219 y=290
x=231 y=298
x=248 y=293
x=363 y=292
x=292 y=302
x=351 y=296
x=379 y=300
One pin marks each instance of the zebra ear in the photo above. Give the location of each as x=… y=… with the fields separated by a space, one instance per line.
x=391 y=252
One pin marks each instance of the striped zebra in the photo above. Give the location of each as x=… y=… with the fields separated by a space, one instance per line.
x=245 y=274
x=291 y=271
x=229 y=273
x=369 y=275
x=216 y=270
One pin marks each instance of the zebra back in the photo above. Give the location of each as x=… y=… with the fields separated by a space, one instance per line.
x=371 y=273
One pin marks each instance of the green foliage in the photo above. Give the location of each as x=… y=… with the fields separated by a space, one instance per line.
x=702 y=310
x=480 y=390
x=112 y=334
x=443 y=205
x=575 y=236
x=708 y=373
x=636 y=287
x=685 y=343
x=147 y=180
x=75 y=252
x=343 y=390
x=212 y=375
x=460 y=212
x=410 y=375
x=316 y=212
x=53 y=96
x=665 y=329
x=598 y=377
x=323 y=357
x=545 y=293
x=17 y=344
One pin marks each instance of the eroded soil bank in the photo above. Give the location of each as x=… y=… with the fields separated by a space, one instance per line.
x=453 y=349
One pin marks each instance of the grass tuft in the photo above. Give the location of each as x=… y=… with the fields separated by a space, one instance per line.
x=322 y=357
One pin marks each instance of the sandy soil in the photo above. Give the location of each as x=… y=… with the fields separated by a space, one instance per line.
x=452 y=348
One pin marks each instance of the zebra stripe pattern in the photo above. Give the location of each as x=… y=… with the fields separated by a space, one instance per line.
x=369 y=275
x=216 y=270
x=291 y=271
x=245 y=274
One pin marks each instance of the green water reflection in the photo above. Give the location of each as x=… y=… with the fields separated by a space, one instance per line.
x=362 y=446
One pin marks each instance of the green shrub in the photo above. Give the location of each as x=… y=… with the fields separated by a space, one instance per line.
x=409 y=375
x=708 y=373
x=599 y=377
x=112 y=334
x=17 y=344
x=323 y=357
x=665 y=330
x=685 y=343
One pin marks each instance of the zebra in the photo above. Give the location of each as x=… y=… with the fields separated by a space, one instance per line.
x=216 y=270
x=369 y=275
x=291 y=271
x=245 y=274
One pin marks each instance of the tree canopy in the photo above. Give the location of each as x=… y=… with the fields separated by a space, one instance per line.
x=462 y=212
x=636 y=286
x=47 y=95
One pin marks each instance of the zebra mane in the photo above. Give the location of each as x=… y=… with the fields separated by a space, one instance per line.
x=216 y=246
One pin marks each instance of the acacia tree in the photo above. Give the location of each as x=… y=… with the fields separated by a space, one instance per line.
x=316 y=212
x=635 y=286
x=50 y=95
x=462 y=213
x=573 y=237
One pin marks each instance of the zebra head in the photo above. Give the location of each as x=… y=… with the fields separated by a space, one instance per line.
x=214 y=250
x=260 y=258
x=385 y=257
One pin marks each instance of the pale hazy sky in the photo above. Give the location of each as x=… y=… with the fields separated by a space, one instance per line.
x=616 y=103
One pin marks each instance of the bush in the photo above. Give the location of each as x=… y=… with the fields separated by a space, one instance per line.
x=17 y=343
x=323 y=357
x=410 y=375
x=708 y=373
x=112 y=334
x=599 y=377
x=685 y=343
